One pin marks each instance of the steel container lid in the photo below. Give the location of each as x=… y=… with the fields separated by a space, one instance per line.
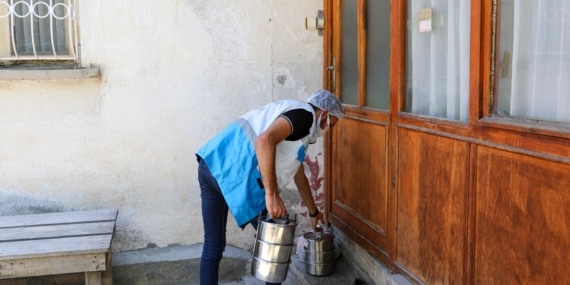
x=319 y=236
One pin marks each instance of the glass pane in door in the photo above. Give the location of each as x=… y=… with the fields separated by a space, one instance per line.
x=349 y=53
x=437 y=55
x=533 y=71
x=378 y=54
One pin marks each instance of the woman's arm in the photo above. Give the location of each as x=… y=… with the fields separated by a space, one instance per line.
x=265 y=147
x=304 y=189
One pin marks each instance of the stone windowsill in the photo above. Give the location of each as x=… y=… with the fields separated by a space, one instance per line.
x=49 y=74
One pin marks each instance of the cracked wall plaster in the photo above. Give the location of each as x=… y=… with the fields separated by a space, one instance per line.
x=173 y=73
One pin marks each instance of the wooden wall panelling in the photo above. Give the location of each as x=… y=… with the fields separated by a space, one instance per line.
x=359 y=180
x=431 y=210
x=522 y=227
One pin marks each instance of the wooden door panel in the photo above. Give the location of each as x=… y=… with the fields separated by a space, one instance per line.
x=522 y=218
x=431 y=200
x=359 y=183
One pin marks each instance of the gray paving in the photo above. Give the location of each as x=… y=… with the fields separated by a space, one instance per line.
x=179 y=265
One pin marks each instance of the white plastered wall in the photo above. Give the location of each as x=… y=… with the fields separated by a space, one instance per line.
x=173 y=73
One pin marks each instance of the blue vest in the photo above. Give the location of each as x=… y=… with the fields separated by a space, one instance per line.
x=231 y=158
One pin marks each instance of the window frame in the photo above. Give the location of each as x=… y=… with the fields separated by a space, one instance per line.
x=333 y=65
x=8 y=53
x=486 y=30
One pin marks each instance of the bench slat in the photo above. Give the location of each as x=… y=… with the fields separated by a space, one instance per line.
x=54 y=247
x=57 y=243
x=54 y=231
x=58 y=218
x=50 y=265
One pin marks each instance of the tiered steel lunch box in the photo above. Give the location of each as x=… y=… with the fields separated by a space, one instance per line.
x=319 y=253
x=272 y=249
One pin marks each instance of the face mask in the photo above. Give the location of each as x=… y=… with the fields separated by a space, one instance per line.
x=322 y=132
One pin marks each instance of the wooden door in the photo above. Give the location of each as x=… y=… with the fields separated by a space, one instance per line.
x=358 y=62
x=455 y=193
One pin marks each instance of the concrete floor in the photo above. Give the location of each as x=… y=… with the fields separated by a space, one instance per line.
x=179 y=265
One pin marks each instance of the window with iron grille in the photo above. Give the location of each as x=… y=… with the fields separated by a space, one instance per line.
x=38 y=30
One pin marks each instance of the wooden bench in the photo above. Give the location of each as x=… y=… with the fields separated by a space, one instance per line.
x=58 y=243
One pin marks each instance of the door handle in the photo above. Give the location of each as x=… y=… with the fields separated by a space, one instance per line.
x=332 y=69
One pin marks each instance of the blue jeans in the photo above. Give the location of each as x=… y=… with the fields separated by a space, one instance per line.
x=214 y=217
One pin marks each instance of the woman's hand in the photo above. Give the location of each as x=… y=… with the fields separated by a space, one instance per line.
x=275 y=206
x=315 y=221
